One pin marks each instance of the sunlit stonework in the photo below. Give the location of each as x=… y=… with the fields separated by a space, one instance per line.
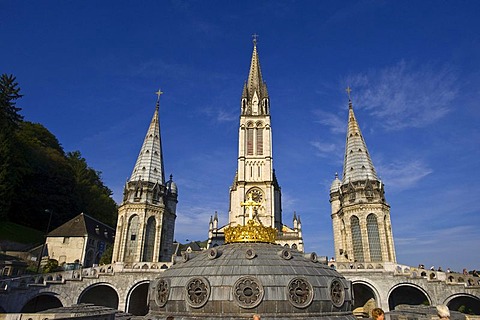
x=252 y=232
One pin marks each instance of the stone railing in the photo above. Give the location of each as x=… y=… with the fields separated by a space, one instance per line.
x=408 y=271
x=60 y=277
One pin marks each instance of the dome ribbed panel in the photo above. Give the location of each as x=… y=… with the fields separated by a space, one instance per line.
x=149 y=165
x=357 y=164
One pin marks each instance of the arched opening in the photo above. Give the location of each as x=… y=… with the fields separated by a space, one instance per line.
x=365 y=300
x=131 y=241
x=100 y=295
x=40 y=303
x=137 y=302
x=356 y=239
x=465 y=304
x=373 y=238
x=407 y=294
x=149 y=243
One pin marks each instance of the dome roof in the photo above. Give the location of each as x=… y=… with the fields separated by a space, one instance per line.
x=235 y=281
x=336 y=184
x=171 y=186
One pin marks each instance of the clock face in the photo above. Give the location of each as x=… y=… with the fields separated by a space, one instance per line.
x=256 y=195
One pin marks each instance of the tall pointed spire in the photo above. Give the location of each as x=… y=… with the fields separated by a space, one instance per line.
x=255 y=81
x=357 y=164
x=149 y=165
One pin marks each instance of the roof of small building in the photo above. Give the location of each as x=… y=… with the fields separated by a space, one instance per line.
x=83 y=225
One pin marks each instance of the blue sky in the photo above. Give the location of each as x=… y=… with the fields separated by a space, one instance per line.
x=89 y=70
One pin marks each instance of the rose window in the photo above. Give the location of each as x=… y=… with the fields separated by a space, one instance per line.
x=248 y=292
x=162 y=292
x=198 y=291
x=337 y=293
x=300 y=292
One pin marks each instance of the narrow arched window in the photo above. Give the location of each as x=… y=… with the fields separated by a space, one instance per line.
x=149 y=243
x=131 y=241
x=356 y=239
x=374 y=238
x=259 y=141
x=250 y=141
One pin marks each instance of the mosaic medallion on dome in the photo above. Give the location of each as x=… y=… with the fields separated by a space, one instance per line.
x=300 y=292
x=248 y=292
x=337 y=293
x=162 y=291
x=197 y=292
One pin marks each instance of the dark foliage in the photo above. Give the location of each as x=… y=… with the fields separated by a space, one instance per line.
x=36 y=174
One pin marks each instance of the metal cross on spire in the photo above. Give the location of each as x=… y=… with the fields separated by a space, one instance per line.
x=348 y=90
x=255 y=37
x=158 y=93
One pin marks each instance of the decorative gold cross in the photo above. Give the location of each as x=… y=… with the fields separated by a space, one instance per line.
x=251 y=205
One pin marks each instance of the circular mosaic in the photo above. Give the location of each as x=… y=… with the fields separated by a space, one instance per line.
x=300 y=292
x=161 y=292
x=337 y=293
x=197 y=292
x=248 y=292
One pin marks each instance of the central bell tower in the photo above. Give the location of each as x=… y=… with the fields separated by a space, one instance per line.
x=255 y=179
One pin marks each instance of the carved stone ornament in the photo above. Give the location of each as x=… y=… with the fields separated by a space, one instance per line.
x=162 y=291
x=248 y=292
x=337 y=293
x=300 y=292
x=197 y=292
x=250 y=254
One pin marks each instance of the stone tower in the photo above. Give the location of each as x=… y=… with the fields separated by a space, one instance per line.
x=146 y=216
x=255 y=178
x=360 y=215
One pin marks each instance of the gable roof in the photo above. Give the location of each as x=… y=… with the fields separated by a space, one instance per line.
x=83 y=225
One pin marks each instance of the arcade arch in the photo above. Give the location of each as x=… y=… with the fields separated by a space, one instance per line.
x=41 y=302
x=137 y=299
x=365 y=293
x=407 y=293
x=464 y=303
x=101 y=294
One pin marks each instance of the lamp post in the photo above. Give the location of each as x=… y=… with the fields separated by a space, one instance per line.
x=45 y=240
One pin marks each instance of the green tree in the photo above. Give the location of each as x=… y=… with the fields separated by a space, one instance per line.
x=51 y=266
x=9 y=122
x=36 y=174
x=9 y=93
x=45 y=179
x=106 y=257
x=92 y=196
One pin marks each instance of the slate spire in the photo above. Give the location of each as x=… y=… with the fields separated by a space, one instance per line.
x=357 y=163
x=254 y=87
x=149 y=165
